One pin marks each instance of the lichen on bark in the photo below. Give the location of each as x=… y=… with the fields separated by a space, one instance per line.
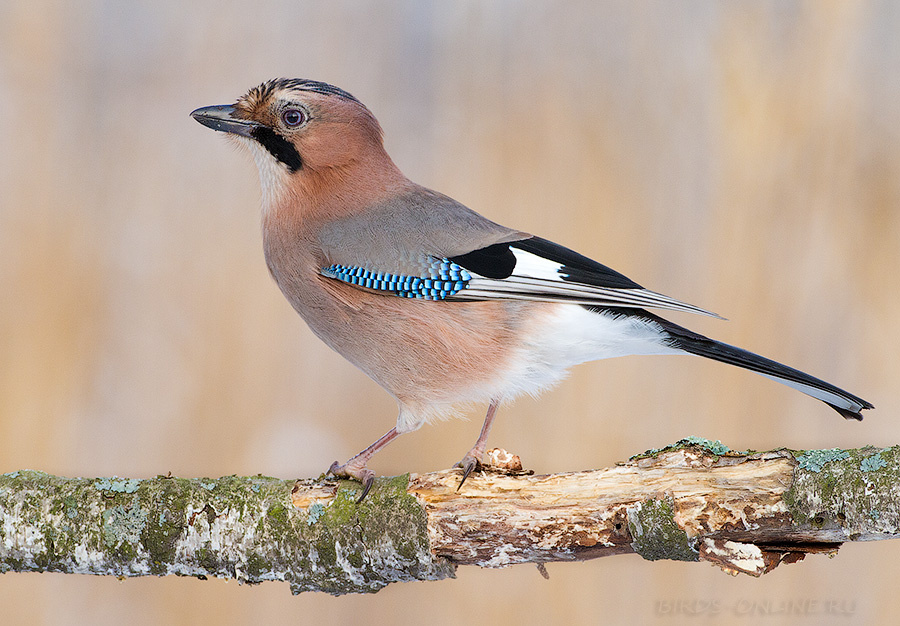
x=852 y=494
x=244 y=528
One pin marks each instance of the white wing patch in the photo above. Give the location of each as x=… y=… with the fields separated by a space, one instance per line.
x=539 y=279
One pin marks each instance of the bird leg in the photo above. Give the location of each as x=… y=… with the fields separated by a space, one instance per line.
x=357 y=466
x=473 y=456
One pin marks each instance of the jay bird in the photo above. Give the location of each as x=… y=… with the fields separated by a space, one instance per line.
x=437 y=304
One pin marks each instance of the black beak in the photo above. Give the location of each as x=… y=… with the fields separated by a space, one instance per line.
x=223 y=118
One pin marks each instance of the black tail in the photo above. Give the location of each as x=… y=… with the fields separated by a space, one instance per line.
x=848 y=405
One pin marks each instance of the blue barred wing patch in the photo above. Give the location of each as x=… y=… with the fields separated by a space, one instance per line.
x=444 y=279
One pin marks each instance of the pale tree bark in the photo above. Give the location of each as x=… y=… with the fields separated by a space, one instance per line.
x=694 y=501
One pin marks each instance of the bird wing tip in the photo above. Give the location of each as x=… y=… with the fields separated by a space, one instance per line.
x=849 y=414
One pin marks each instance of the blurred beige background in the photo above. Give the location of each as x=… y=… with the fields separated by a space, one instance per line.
x=743 y=156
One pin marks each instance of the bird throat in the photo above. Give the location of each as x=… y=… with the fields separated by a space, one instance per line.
x=273 y=174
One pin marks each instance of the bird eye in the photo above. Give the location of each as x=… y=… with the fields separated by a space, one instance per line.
x=293 y=117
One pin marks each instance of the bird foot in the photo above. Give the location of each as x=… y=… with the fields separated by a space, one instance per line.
x=360 y=472
x=469 y=464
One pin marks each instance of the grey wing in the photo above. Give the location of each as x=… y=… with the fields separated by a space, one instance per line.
x=426 y=245
x=405 y=235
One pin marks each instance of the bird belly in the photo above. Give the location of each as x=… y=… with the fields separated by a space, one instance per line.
x=434 y=357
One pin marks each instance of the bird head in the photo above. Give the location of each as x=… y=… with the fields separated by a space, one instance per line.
x=302 y=133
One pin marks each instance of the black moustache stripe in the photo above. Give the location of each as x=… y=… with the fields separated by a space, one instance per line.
x=278 y=147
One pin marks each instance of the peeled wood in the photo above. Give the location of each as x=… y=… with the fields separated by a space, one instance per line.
x=743 y=512
x=660 y=507
x=693 y=501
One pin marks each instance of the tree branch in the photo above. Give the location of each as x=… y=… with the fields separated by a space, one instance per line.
x=694 y=501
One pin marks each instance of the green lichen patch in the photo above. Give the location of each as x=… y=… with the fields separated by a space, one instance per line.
x=873 y=463
x=30 y=478
x=716 y=447
x=117 y=485
x=314 y=513
x=815 y=460
x=123 y=524
x=854 y=493
x=655 y=533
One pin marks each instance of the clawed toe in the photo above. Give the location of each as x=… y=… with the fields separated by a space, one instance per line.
x=469 y=464
x=368 y=479
x=362 y=474
x=472 y=460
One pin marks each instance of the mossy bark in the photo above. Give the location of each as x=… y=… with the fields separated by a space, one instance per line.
x=697 y=500
x=244 y=528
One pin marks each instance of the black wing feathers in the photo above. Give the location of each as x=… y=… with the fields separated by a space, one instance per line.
x=498 y=261
x=494 y=261
x=576 y=268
